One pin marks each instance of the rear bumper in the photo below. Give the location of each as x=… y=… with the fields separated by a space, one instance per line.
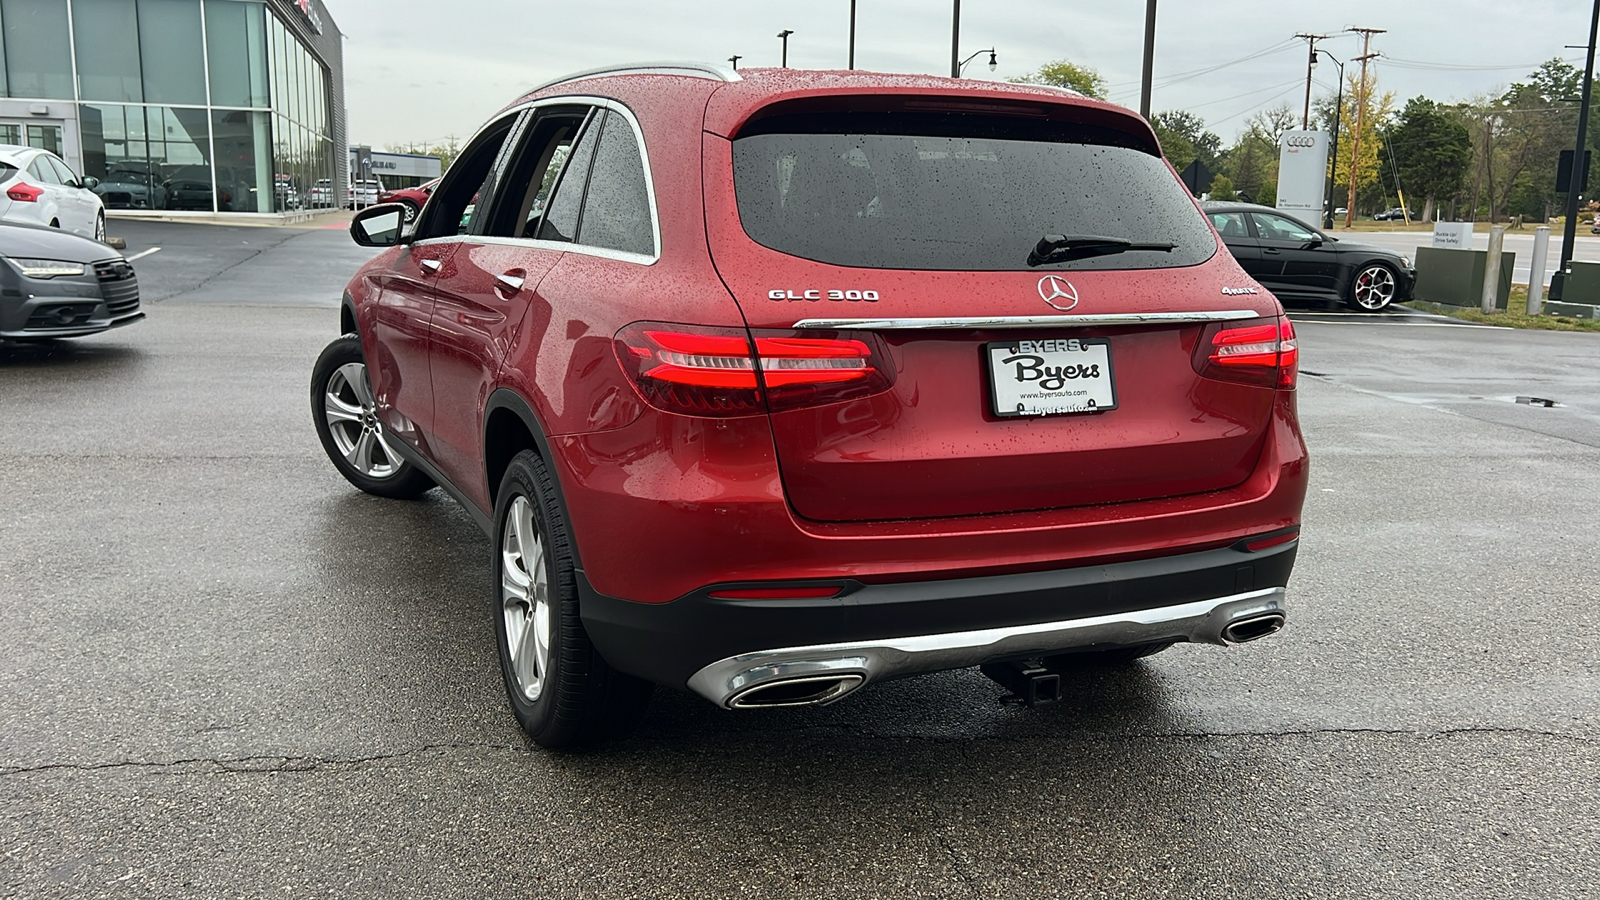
x=871 y=632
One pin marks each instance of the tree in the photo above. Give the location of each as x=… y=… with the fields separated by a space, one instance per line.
x=1184 y=139
x=1062 y=73
x=1375 y=110
x=1432 y=151
x=1222 y=188
x=1252 y=162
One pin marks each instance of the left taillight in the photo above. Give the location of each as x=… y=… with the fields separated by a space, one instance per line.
x=24 y=192
x=722 y=372
x=1257 y=351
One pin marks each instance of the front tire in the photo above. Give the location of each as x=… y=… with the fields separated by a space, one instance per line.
x=563 y=693
x=411 y=210
x=1373 y=288
x=100 y=227
x=345 y=415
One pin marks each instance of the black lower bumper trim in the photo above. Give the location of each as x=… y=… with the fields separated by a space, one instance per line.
x=668 y=642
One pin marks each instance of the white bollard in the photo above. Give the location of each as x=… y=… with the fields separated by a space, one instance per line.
x=1541 y=251
x=1491 y=268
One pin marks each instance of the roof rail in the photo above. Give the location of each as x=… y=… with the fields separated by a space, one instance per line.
x=690 y=69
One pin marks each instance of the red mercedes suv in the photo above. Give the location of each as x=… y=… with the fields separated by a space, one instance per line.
x=771 y=384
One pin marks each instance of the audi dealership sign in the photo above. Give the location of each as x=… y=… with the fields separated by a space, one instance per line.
x=1303 y=174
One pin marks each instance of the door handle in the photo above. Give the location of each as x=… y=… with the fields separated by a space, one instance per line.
x=509 y=282
x=1273 y=250
x=432 y=265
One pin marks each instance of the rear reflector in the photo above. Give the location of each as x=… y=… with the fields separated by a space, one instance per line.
x=1273 y=540
x=811 y=592
x=1259 y=351
x=725 y=372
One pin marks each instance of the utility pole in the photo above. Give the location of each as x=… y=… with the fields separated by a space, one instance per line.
x=1147 y=78
x=852 y=34
x=1569 y=232
x=784 y=35
x=735 y=60
x=1311 y=61
x=1361 y=105
x=955 y=42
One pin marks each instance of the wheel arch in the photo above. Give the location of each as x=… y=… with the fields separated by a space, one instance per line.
x=349 y=323
x=510 y=426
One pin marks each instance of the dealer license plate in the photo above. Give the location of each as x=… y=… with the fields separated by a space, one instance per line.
x=1051 y=377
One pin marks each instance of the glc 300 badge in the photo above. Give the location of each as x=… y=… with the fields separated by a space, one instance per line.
x=836 y=296
x=1230 y=291
x=1053 y=288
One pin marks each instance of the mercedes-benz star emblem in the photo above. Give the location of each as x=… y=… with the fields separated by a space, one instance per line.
x=1053 y=288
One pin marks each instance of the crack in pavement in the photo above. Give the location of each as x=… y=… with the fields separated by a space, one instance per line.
x=276 y=763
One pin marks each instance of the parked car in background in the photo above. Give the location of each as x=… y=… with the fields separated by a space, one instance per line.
x=362 y=193
x=125 y=188
x=321 y=193
x=285 y=194
x=59 y=285
x=743 y=414
x=37 y=188
x=411 y=198
x=1301 y=263
x=194 y=194
x=1392 y=213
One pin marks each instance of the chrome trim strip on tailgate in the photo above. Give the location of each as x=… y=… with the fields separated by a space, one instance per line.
x=991 y=322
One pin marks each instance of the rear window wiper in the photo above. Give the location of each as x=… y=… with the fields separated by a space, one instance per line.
x=1053 y=248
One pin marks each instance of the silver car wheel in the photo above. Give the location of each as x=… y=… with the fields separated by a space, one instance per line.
x=525 y=599
x=352 y=417
x=1374 y=287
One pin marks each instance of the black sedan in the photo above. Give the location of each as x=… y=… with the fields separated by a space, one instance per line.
x=56 y=285
x=1298 y=262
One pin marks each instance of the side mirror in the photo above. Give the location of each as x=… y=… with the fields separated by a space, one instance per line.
x=90 y=182
x=378 y=226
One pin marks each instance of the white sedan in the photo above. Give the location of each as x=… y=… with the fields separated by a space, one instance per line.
x=39 y=189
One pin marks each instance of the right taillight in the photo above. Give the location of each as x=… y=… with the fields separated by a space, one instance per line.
x=723 y=372
x=1257 y=351
x=24 y=192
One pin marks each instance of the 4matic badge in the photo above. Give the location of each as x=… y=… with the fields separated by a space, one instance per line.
x=814 y=294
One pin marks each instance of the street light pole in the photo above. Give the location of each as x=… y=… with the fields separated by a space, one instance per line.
x=955 y=42
x=735 y=60
x=1338 y=112
x=993 y=62
x=784 y=35
x=1569 y=231
x=852 y=63
x=1147 y=79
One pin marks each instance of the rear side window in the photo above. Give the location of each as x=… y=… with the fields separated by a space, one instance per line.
x=616 y=213
x=957 y=192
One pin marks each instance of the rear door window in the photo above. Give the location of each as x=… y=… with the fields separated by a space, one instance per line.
x=41 y=169
x=532 y=173
x=566 y=204
x=957 y=192
x=1230 y=225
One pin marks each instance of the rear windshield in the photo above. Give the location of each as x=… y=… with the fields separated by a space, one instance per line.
x=957 y=192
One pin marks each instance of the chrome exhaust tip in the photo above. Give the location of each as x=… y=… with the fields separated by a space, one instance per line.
x=815 y=690
x=1252 y=628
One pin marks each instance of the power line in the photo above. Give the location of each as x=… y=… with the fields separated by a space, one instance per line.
x=1457 y=67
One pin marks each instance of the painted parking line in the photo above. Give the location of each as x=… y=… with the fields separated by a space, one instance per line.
x=143 y=253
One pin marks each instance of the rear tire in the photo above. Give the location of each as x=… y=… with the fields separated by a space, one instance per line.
x=411 y=210
x=345 y=415
x=562 y=692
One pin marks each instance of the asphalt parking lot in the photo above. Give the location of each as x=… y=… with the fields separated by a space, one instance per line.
x=227 y=673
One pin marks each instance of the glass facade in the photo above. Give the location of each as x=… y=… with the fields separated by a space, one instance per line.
x=206 y=105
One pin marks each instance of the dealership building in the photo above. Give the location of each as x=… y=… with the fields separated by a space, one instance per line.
x=229 y=106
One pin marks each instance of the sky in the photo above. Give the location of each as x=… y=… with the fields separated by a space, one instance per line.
x=419 y=71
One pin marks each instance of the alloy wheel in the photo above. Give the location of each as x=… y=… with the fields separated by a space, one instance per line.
x=100 y=228
x=525 y=599
x=352 y=417
x=1374 y=288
